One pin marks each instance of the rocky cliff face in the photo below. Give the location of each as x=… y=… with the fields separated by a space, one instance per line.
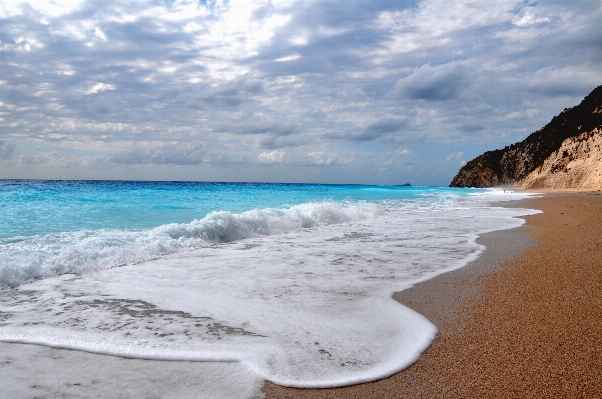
x=565 y=153
x=576 y=164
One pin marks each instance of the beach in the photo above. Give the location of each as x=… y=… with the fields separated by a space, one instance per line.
x=235 y=199
x=217 y=289
x=520 y=321
x=527 y=326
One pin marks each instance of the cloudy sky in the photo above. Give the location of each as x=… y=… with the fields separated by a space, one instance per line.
x=382 y=92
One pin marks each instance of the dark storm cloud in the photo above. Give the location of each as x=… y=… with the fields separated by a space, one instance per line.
x=434 y=83
x=385 y=126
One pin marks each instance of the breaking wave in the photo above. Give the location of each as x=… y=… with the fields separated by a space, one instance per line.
x=24 y=259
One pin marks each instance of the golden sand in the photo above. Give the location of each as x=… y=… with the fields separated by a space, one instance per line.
x=531 y=328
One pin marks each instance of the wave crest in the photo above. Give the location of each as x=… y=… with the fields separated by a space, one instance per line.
x=31 y=258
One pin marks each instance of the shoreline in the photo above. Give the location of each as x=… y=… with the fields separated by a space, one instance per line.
x=463 y=361
x=498 y=336
x=440 y=298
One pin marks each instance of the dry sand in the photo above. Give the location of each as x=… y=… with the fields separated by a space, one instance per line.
x=528 y=327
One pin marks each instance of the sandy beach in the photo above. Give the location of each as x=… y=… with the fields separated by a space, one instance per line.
x=521 y=321
x=526 y=326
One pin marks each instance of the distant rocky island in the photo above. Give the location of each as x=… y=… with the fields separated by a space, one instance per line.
x=566 y=153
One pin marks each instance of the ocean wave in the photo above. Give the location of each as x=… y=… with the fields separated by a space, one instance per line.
x=23 y=259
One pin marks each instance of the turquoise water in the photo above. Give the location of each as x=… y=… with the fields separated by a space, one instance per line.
x=293 y=282
x=49 y=228
x=29 y=208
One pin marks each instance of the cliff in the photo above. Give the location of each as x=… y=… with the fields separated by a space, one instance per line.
x=576 y=164
x=566 y=153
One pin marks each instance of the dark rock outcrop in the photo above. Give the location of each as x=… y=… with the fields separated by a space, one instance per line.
x=511 y=165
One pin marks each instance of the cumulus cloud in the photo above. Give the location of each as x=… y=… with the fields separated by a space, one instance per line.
x=99 y=34
x=276 y=156
x=98 y=87
x=267 y=83
x=457 y=155
x=527 y=14
x=323 y=158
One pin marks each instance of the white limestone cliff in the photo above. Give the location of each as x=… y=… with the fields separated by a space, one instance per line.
x=576 y=164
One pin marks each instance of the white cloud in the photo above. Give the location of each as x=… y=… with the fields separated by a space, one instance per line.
x=360 y=89
x=456 y=155
x=98 y=87
x=54 y=8
x=276 y=156
x=99 y=34
x=321 y=158
x=528 y=14
x=289 y=58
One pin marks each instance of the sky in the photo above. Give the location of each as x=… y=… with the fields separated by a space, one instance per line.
x=368 y=92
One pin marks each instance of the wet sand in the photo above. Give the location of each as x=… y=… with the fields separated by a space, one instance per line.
x=527 y=326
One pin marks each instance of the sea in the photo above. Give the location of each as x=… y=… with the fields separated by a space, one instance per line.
x=289 y=283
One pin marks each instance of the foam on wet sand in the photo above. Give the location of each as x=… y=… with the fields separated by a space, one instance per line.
x=143 y=311
x=528 y=327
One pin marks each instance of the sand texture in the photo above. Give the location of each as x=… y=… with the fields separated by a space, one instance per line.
x=530 y=328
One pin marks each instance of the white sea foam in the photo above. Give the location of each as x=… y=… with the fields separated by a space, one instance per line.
x=304 y=307
x=29 y=258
